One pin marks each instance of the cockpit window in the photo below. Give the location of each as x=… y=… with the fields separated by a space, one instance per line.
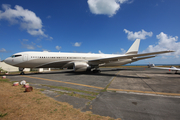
x=15 y=56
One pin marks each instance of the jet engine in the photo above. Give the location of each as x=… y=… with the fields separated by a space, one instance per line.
x=81 y=66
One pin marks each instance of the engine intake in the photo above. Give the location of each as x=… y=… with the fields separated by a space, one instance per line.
x=81 y=66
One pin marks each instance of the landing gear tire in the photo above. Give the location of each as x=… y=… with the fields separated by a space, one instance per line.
x=96 y=71
x=22 y=73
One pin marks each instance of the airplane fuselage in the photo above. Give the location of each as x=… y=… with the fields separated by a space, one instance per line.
x=58 y=59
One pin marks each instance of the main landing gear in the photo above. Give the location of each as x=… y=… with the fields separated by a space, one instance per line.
x=96 y=71
x=22 y=72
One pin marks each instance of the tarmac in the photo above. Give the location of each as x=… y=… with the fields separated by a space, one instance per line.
x=126 y=93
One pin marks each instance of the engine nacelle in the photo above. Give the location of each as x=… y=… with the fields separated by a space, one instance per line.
x=81 y=66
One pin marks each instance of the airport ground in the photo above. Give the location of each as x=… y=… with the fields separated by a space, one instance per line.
x=126 y=93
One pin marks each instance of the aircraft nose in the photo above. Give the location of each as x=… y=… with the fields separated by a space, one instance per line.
x=5 y=60
x=8 y=61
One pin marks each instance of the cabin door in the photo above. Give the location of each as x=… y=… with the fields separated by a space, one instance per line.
x=25 y=57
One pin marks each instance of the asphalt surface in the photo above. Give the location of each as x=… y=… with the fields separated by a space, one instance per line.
x=135 y=107
x=131 y=93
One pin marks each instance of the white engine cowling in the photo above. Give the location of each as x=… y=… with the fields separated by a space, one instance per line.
x=80 y=66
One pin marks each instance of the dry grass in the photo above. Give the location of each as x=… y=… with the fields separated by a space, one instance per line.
x=16 y=104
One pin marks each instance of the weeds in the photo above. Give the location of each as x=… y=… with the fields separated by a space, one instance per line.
x=4 y=80
x=71 y=89
x=42 y=89
x=2 y=115
x=77 y=95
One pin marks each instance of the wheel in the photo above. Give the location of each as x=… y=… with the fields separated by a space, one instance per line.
x=96 y=71
x=22 y=73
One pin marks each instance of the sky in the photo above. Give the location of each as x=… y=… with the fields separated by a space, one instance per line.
x=91 y=26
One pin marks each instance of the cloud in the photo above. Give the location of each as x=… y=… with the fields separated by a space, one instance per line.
x=45 y=50
x=39 y=46
x=77 y=44
x=58 y=47
x=137 y=35
x=50 y=38
x=48 y=17
x=26 y=18
x=100 y=52
x=123 y=51
x=25 y=40
x=2 y=50
x=106 y=7
x=165 y=43
x=30 y=46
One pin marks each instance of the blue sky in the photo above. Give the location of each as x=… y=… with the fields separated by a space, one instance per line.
x=96 y=26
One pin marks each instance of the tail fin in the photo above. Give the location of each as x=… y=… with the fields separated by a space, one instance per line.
x=134 y=48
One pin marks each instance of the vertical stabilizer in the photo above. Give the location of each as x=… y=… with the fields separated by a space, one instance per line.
x=134 y=48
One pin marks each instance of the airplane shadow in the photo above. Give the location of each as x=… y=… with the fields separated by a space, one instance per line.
x=106 y=74
x=72 y=73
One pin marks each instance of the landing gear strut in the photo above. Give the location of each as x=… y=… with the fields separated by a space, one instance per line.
x=22 y=72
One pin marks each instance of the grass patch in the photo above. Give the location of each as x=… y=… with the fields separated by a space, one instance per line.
x=42 y=89
x=4 y=80
x=17 y=104
x=104 y=90
x=72 y=89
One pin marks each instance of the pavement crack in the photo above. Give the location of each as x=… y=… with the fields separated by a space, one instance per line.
x=111 y=80
x=146 y=83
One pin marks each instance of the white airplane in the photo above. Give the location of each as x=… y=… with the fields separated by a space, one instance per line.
x=77 y=61
x=172 y=68
x=150 y=65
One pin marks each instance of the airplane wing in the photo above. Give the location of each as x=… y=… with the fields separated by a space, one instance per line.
x=106 y=60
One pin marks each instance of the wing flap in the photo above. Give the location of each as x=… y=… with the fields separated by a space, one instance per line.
x=141 y=58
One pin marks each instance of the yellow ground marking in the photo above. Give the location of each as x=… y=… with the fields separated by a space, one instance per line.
x=57 y=95
x=112 y=89
x=147 y=92
x=64 y=82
